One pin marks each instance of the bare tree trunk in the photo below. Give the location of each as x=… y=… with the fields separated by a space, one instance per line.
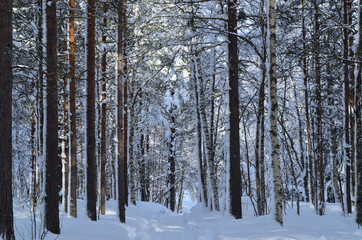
x=53 y=165
x=278 y=193
x=6 y=85
x=120 y=118
x=258 y=151
x=319 y=160
x=132 y=166
x=206 y=135
x=104 y=115
x=125 y=99
x=309 y=159
x=351 y=97
x=171 y=162
x=73 y=117
x=91 y=140
x=347 y=147
x=202 y=168
x=142 y=168
x=358 y=101
x=234 y=164
x=65 y=146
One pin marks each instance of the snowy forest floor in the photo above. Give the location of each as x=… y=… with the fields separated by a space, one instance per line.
x=153 y=221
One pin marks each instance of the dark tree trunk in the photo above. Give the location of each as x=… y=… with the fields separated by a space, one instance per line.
x=143 y=172
x=358 y=101
x=125 y=98
x=319 y=160
x=65 y=141
x=6 y=83
x=103 y=121
x=73 y=118
x=258 y=151
x=120 y=118
x=91 y=140
x=171 y=162
x=53 y=164
x=234 y=166
x=346 y=109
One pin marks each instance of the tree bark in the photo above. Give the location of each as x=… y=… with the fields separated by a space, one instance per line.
x=234 y=166
x=125 y=98
x=6 y=83
x=273 y=102
x=53 y=164
x=171 y=162
x=347 y=147
x=309 y=160
x=91 y=139
x=358 y=100
x=73 y=117
x=120 y=118
x=104 y=115
x=319 y=160
x=258 y=151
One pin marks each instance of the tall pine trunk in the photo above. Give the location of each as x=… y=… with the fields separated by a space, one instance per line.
x=104 y=114
x=358 y=101
x=73 y=117
x=120 y=119
x=6 y=83
x=53 y=164
x=91 y=138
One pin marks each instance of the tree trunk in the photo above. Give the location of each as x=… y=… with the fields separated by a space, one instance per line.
x=258 y=151
x=65 y=146
x=351 y=97
x=358 y=101
x=91 y=140
x=202 y=168
x=120 y=118
x=347 y=147
x=6 y=83
x=319 y=160
x=309 y=159
x=234 y=164
x=73 y=117
x=104 y=114
x=171 y=162
x=125 y=98
x=142 y=169
x=278 y=193
x=53 y=164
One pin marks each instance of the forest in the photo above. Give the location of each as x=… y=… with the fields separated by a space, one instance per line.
x=180 y=119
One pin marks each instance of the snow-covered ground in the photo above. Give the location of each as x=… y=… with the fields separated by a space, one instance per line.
x=154 y=221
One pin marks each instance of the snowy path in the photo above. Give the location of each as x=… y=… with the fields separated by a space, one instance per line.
x=149 y=221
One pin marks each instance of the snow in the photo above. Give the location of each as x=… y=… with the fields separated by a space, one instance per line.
x=154 y=221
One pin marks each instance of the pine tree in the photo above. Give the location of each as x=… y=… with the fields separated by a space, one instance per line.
x=6 y=83
x=73 y=117
x=120 y=118
x=358 y=100
x=91 y=142
x=53 y=164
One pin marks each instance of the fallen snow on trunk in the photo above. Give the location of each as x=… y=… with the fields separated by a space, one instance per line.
x=154 y=221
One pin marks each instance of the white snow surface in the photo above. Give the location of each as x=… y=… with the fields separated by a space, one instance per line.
x=154 y=221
